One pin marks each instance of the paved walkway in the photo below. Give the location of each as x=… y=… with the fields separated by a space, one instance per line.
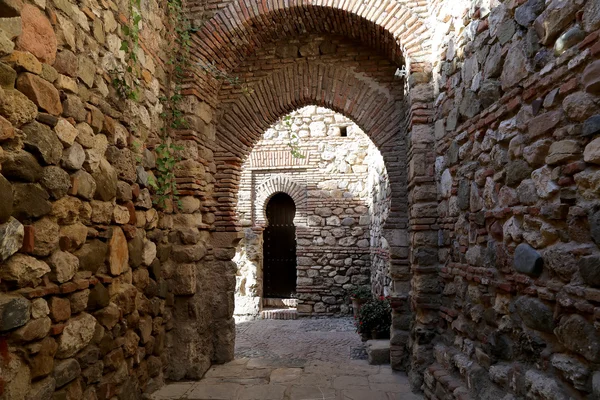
x=306 y=359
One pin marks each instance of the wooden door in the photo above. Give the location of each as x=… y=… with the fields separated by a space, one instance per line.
x=279 y=248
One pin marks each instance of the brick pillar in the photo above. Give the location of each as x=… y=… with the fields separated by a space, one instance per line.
x=396 y=233
x=425 y=292
x=198 y=266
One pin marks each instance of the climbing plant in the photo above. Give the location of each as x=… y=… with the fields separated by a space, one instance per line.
x=294 y=143
x=167 y=156
x=129 y=45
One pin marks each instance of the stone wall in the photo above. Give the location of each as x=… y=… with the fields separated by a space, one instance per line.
x=504 y=94
x=517 y=171
x=341 y=193
x=93 y=277
x=378 y=199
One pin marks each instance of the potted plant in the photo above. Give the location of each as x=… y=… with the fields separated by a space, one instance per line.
x=374 y=319
x=359 y=295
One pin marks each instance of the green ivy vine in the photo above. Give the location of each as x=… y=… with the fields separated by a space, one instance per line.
x=167 y=152
x=129 y=45
x=294 y=143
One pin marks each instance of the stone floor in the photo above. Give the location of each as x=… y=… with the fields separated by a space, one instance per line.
x=306 y=359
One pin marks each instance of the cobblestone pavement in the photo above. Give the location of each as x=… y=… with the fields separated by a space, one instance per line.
x=306 y=359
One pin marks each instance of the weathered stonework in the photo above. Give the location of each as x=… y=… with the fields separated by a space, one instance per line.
x=485 y=114
x=81 y=317
x=516 y=255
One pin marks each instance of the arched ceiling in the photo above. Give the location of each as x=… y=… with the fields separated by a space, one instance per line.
x=389 y=27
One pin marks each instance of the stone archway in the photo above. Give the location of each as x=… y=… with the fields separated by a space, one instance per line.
x=340 y=185
x=385 y=89
x=249 y=256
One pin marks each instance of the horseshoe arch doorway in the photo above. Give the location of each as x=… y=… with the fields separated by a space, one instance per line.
x=279 y=248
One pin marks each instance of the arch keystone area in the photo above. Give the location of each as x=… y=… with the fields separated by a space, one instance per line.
x=274 y=185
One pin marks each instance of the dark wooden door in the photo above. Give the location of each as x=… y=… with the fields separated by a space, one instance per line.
x=279 y=248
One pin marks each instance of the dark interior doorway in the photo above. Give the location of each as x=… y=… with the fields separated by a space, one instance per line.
x=279 y=248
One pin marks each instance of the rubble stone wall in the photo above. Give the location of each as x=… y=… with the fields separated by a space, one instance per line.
x=333 y=182
x=518 y=177
x=93 y=277
x=485 y=113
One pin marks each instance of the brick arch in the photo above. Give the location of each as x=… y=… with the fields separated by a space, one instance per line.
x=279 y=184
x=391 y=27
x=360 y=98
x=401 y=128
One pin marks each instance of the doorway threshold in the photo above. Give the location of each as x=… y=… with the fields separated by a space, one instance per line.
x=279 y=308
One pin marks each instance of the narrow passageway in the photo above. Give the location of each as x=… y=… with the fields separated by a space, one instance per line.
x=305 y=359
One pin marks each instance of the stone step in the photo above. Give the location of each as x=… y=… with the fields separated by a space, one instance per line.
x=279 y=313
x=378 y=351
x=280 y=303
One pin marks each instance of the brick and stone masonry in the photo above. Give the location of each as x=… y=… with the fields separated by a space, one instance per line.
x=341 y=191
x=485 y=114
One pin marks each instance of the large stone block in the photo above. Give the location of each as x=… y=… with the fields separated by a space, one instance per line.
x=580 y=336
x=123 y=163
x=118 y=252
x=526 y=13
x=528 y=261
x=14 y=312
x=41 y=92
x=572 y=369
x=589 y=269
x=22 y=166
x=43 y=142
x=73 y=157
x=11 y=238
x=516 y=67
x=35 y=329
x=43 y=389
x=535 y=314
x=30 y=201
x=23 y=270
x=92 y=255
x=591 y=154
x=378 y=351
x=76 y=335
x=188 y=253
x=183 y=281
x=38 y=35
x=556 y=17
x=66 y=63
x=64 y=266
x=98 y=298
x=56 y=181
x=60 y=308
x=8 y=77
x=17 y=108
x=65 y=371
x=579 y=106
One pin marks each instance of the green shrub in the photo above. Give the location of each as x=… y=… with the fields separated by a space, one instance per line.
x=374 y=316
